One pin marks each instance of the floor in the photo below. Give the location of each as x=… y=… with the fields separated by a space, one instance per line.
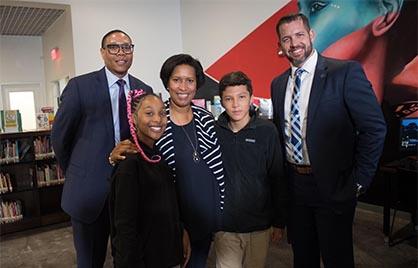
x=52 y=246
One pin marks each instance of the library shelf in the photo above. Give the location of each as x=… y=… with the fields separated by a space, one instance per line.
x=30 y=182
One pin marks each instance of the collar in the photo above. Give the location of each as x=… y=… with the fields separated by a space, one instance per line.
x=309 y=65
x=112 y=79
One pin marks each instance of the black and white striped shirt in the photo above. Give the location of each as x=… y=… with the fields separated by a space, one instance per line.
x=209 y=147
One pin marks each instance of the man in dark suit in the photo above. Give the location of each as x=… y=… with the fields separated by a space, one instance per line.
x=89 y=122
x=333 y=132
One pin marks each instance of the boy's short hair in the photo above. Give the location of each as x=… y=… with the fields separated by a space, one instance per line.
x=236 y=78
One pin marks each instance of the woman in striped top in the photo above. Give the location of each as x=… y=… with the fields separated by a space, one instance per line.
x=190 y=147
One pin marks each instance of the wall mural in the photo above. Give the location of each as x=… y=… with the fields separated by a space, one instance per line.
x=380 y=34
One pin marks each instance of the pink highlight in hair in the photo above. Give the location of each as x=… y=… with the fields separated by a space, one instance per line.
x=132 y=96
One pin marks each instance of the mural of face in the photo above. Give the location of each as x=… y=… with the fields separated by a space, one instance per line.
x=355 y=30
x=333 y=19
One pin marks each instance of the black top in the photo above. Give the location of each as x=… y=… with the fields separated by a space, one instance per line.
x=145 y=227
x=209 y=148
x=196 y=186
x=257 y=189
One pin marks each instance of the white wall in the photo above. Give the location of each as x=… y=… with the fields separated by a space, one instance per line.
x=59 y=35
x=154 y=26
x=160 y=28
x=22 y=63
x=212 y=27
x=21 y=59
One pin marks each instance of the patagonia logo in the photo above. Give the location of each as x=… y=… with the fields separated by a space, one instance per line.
x=250 y=140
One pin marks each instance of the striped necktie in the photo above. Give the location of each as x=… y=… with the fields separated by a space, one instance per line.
x=295 y=122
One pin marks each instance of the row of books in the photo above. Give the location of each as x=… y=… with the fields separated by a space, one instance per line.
x=9 y=152
x=43 y=147
x=9 y=183
x=47 y=175
x=5 y=183
x=11 y=211
x=13 y=151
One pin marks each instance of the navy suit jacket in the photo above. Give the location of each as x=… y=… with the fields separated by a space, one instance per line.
x=345 y=127
x=82 y=137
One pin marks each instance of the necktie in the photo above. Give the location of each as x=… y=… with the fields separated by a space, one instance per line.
x=123 y=118
x=295 y=122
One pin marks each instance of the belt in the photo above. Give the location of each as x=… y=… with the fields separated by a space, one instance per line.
x=300 y=169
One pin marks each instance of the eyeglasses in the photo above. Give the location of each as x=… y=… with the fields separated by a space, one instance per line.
x=115 y=48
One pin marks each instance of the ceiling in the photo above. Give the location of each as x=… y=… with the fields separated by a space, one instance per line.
x=24 y=20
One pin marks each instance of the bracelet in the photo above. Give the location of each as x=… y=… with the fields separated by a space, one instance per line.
x=111 y=162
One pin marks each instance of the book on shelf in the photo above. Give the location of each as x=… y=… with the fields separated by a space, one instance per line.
x=49 y=111
x=11 y=121
x=42 y=121
x=43 y=147
x=48 y=175
x=24 y=150
x=9 y=152
x=11 y=211
x=5 y=183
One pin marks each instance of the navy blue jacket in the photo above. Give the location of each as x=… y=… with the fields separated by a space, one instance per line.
x=82 y=137
x=345 y=127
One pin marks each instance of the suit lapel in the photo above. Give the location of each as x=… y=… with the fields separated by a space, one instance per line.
x=317 y=89
x=281 y=96
x=132 y=83
x=105 y=96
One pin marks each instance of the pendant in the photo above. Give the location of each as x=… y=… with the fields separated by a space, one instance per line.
x=196 y=157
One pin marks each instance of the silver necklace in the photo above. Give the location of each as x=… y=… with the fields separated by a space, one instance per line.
x=195 y=154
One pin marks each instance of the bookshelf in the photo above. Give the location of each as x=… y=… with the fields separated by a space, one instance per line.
x=30 y=182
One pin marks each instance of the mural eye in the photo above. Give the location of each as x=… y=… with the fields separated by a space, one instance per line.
x=317 y=6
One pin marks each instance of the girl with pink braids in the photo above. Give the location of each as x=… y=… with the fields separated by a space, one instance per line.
x=145 y=225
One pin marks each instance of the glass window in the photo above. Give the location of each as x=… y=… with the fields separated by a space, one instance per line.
x=24 y=101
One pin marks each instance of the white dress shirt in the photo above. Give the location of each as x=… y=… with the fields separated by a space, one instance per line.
x=114 y=99
x=305 y=90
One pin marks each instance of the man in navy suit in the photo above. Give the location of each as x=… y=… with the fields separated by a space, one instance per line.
x=85 y=130
x=333 y=132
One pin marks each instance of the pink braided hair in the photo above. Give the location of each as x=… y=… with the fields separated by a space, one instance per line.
x=133 y=96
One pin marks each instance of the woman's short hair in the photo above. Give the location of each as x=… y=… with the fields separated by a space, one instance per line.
x=172 y=62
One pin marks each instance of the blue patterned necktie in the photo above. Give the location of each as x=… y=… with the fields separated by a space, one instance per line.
x=295 y=122
x=123 y=118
